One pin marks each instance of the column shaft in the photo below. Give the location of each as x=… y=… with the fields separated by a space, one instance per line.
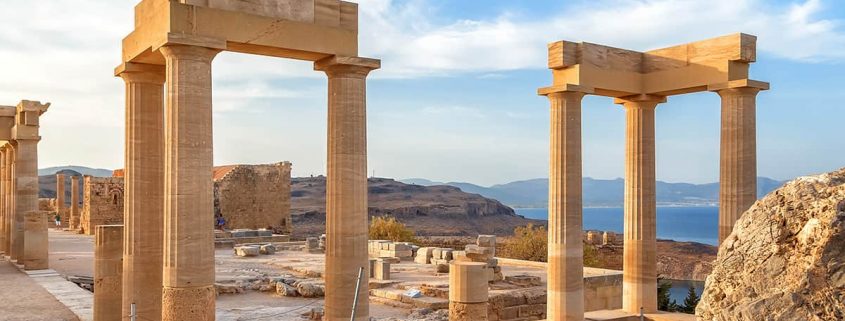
x=346 y=192
x=75 y=217
x=60 y=199
x=35 y=256
x=188 y=278
x=566 y=257
x=3 y=188
x=8 y=195
x=108 y=251
x=26 y=185
x=468 y=291
x=144 y=192
x=738 y=157
x=639 y=287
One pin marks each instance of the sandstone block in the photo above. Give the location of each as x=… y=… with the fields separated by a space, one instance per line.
x=477 y=253
x=424 y=255
x=382 y=270
x=267 y=249
x=486 y=241
x=284 y=289
x=247 y=250
x=311 y=290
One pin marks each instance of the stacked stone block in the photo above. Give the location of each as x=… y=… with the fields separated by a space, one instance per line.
x=382 y=248
x=102 y=203
x=254 y=196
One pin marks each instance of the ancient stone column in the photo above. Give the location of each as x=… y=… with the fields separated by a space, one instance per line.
x=3 y=217
x=565 y=300
x=60 y=198
x=26 y=185
x=639 y=278
x=738 y=157
x=144 y=191
x=346 y=186
x=108 y=267
x=75 y=218
x=8 y=195
x=468 y=291
x=35 y=255
x=188 y=278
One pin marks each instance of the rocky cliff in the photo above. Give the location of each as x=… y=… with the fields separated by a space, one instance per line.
x=785 y=259
x=428 y=210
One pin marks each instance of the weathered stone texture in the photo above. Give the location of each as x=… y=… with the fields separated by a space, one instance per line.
x=102 y=203
x=785 y=259
x=254 y=196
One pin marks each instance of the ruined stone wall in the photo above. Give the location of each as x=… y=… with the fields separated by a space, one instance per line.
x=254 y=196
x=102 y=202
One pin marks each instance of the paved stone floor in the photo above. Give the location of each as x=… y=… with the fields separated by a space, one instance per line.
x=22 y=298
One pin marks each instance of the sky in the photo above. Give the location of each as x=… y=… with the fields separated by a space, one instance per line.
x=455 y=99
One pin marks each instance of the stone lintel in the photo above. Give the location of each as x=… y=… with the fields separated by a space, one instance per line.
x=544 y=91
x=243 y=26
x=8 y=111
x=742 y=83
x=640 y=98
x=138 y=67
x=324 y=64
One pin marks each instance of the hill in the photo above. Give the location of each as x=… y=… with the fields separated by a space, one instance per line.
x=98 y=172
x=428 y=210
x=598 y=192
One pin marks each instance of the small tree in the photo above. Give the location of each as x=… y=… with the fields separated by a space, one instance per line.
x=664 y=301
x=389 y=228
x=531 y=243
x=690 y=301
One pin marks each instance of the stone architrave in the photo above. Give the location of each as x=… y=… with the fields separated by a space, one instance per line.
x=108 y=268
x=188 y=291
x=346 y=185
x=639 y=287
x=143 y=209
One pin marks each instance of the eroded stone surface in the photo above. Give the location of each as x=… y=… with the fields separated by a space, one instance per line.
x=785 y=258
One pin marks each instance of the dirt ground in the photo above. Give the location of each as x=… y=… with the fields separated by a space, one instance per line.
x=23 y=299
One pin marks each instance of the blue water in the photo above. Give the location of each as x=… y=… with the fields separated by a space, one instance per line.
x=688 y=224
x=679 y=289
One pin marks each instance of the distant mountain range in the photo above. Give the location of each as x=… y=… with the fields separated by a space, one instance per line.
x=598 y=192
x=97 y=172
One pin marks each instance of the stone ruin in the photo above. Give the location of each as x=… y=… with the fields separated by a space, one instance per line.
x=254 y=196
x=102 y=203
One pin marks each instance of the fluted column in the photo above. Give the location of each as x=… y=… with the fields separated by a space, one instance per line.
x=26 y=186
x=565 y=300
x=188 y=278
x=3 y=187
x=75 y=217
x=738 y=157
x=346 y=186
x=144 y=191
x=639 y=277
x=8 y=195
x=60 y=198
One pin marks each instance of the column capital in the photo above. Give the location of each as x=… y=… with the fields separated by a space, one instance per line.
x=189 y=52
x=640 y=101
x=747 y=85
x=349 y=67
x=132 y=72
x=554 y=89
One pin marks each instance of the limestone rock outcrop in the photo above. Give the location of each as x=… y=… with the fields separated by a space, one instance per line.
x=785 y=259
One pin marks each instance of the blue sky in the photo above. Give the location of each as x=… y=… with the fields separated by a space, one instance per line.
x=456 y=97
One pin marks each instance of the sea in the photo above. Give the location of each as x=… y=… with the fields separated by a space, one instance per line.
x=687 y=224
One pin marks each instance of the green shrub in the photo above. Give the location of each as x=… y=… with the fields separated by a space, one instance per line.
x=389 y=228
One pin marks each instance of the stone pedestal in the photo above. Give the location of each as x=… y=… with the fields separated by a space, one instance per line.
x=468 y=291
x=738 y=157
x=566 y=259
x=35 y=254
x=75 y=219
x=144 y=190
x=639 y=287
x=346 y=186
x=188 y=277
x=108 y=267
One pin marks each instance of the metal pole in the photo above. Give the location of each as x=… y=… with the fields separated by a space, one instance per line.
x=642 y=316
x=132 y=313
x=357 y=288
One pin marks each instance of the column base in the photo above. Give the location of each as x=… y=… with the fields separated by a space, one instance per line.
x=467 y=311
x=195 y=303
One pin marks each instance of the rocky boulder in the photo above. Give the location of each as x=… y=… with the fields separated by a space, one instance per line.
x=785 y=259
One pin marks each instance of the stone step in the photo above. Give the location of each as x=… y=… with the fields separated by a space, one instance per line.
x=420 y=302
